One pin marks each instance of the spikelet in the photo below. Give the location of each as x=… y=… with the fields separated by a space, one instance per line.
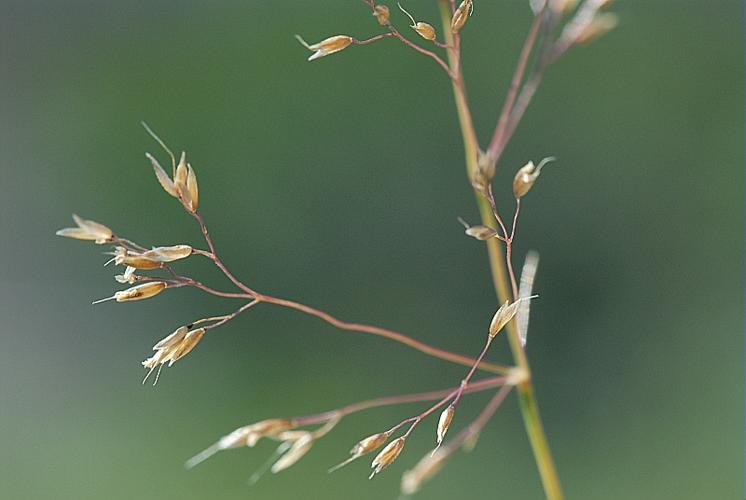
x=504 y=314
x=425 y=30
x=300 y=446
x=163 y=179
x=363 y=447
x=479 y=232
x=426 y=468
x=326 y=47
x=387 y=455
x=87 y=230
x=169 y=253
x=461 y=15
x=192 y=188
x=382 y=14
x=137 y=292
x=247 y=435
x=172 y=348
x=600 y=25
x=444 y=422
x=526 y=176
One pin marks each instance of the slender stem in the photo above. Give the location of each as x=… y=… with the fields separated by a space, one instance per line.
x=477 y=424
x=383 y=332
x=371 y=39
x=529 y=407
x=214 y=256
x=465 y=380
x=480 y=385
x=229 y=317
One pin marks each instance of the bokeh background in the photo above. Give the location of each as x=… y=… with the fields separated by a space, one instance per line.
x=338 y=183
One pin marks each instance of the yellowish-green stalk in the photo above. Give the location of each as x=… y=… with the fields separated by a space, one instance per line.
x=526 y=397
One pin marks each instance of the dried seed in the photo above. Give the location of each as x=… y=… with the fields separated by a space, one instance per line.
x=173 y=338
x=192 y=187
x=326 y=47
x=526 y=176
x=300 y=447
x=481 y=233
x=169 y=254
x=87 y=230
x=504 y=314
x=426 y=468
x=425 y=30
x=382 y=14
x=190 y=340
x=163 y=179
x=137 y=292
x=444 y=422
x=387 y=456
x=601 y=24
x=461 y=15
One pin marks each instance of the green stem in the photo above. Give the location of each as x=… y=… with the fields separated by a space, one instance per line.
x=529 y=407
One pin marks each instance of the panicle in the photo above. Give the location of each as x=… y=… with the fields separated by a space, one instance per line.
x=87 y=230
x=327 y=46
x=387 y=455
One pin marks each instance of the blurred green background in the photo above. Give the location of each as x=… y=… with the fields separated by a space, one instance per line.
x=338 y=183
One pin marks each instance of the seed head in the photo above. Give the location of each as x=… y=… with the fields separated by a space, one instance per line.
x=87 y=230
x=426 y=468
x=461 y=15
x=382 y=14
x=526 y=176
x=387 y=455
x=445 y=422
x=326 y=47
x=425 y=30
